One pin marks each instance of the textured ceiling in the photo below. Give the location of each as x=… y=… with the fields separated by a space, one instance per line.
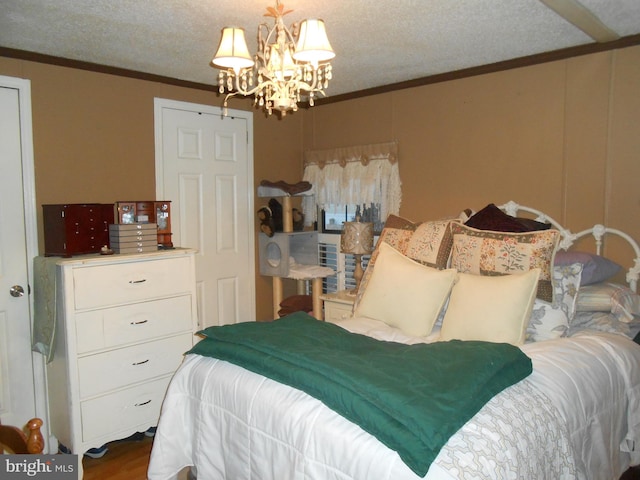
x=377 y=43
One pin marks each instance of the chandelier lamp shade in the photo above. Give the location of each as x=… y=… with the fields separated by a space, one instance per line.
x=290 y=65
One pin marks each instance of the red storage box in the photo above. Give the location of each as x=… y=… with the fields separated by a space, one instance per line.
x=75 y=229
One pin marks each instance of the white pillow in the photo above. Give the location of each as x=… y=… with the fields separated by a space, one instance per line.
x=405 y=294
x=492 y=309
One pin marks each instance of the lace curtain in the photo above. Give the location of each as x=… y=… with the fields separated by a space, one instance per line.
x=357 y=175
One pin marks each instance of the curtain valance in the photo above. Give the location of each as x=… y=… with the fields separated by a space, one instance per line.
x=358 y=153
x=356 y=175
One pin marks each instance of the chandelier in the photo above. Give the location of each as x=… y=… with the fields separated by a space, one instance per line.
x=291 y=63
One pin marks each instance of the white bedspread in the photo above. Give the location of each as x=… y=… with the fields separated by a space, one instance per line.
x=576 y=416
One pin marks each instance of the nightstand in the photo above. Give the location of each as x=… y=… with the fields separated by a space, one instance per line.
x=338 y=306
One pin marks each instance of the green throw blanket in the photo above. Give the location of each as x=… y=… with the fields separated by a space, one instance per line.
x=412 y=398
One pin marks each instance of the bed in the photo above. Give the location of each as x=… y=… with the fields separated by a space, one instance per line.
x=574 y=414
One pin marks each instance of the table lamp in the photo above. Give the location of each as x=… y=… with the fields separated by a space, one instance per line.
x=357 y=239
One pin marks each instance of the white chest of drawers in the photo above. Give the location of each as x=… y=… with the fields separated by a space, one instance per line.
x=123 y=324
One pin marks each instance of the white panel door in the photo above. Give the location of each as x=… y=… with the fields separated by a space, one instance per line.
x=204 y=167
x=17 y=387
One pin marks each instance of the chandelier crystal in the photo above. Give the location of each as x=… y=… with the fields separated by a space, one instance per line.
x=291 y=63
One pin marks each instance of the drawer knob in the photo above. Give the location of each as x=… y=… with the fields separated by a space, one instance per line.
x=141 y=363
x=138 y=281
x=143 y=403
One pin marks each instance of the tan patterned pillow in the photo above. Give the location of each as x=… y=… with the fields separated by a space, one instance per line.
x=428 y=243
x=431 y=243
x=483 y=252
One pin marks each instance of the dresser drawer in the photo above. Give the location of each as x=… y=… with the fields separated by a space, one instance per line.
x=335 y=312
x=123 y=410
x=104 y=285
x=125 y=366
x=112 y=327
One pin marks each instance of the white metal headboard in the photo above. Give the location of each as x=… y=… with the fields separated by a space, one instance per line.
x=567 y=238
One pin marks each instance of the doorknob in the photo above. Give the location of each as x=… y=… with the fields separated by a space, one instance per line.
x=16 y=291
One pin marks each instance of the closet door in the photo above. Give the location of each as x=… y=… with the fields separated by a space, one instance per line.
x=204 y=166
x=17 y=389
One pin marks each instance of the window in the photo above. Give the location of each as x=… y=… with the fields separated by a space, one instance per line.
x=333 y=217
x=346 y=182
x=344 y=264
x=362 y=179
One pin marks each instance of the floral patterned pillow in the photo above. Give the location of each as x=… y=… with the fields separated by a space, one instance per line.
x=600 y=321
x=428 y=243
x=549 y=321
x=566 y=283
x=484 y=252
x=546 y=322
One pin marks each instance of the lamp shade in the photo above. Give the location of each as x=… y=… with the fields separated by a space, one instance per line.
x=313 y=45
x=357 y=238
x=232 y=51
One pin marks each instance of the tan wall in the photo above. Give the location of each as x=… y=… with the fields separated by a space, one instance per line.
x=278 y=150
x=94 y=139
x=562 y=137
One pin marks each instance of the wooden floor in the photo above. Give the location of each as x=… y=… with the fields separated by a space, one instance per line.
x=128 y=460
